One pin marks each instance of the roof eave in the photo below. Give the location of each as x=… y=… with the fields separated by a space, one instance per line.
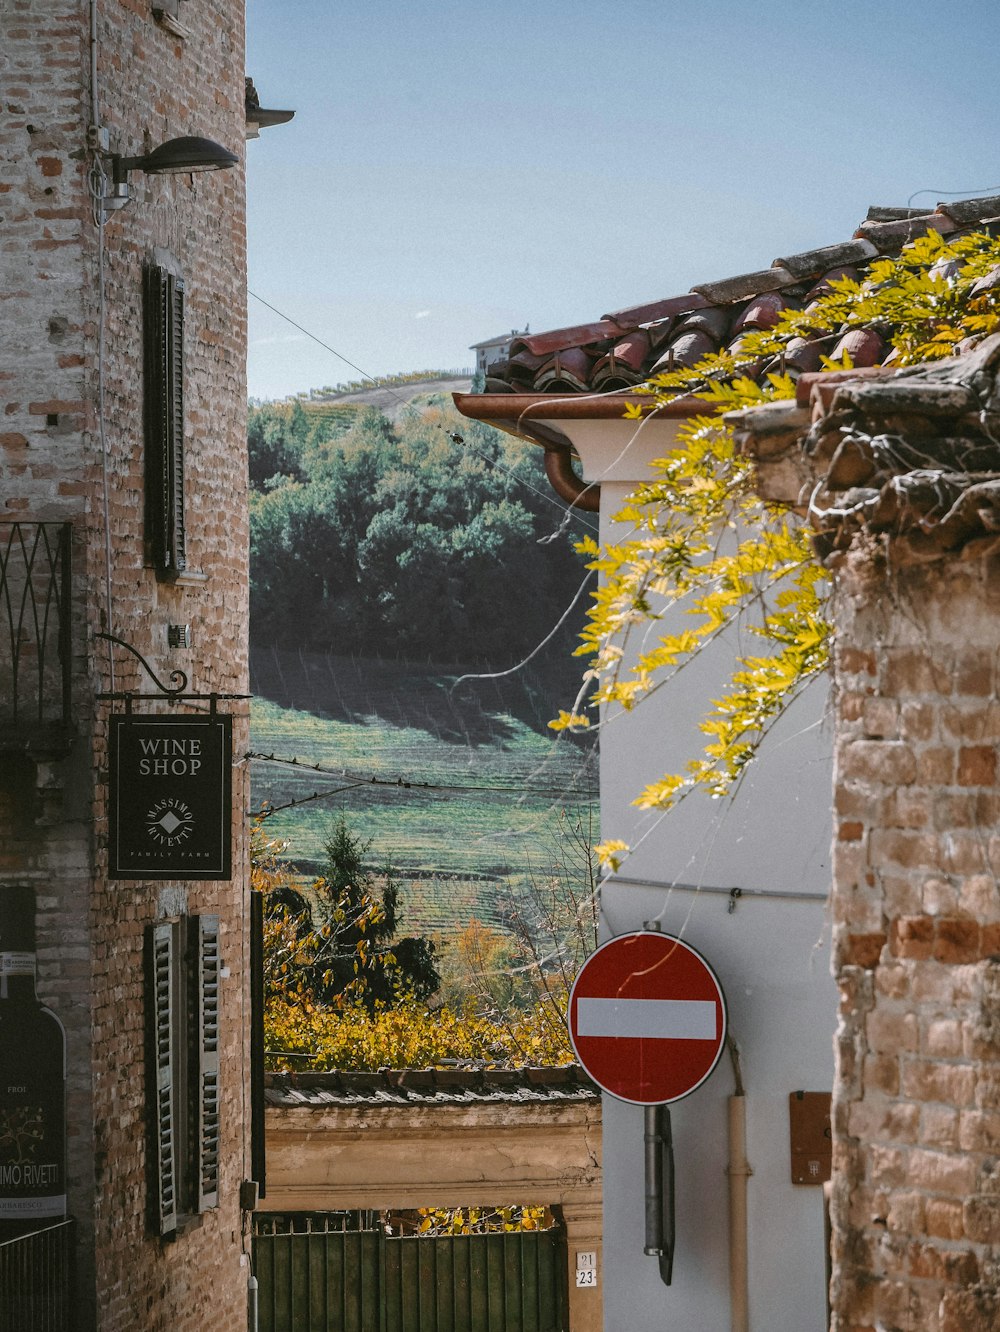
x=502 y=409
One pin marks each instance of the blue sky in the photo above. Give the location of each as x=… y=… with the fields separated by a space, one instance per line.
x=455 y=171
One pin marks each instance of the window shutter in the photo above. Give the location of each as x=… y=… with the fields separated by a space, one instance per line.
x=205 y=1083
x=163 y=1061
x=258 y=1161
x=163 y=315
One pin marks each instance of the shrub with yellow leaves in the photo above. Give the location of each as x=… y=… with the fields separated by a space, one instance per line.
x=703 y=540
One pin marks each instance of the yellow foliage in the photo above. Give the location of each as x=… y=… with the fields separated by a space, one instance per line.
x=299 y=1035
x=702 y=539
x=482 y=1220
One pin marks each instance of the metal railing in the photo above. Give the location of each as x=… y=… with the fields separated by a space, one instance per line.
x=36 y=1280
x=35 y=655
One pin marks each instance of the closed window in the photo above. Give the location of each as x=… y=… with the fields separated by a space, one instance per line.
x=182 y=1001
x=163 y=335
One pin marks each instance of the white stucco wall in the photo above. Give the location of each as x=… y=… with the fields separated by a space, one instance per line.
x=771 y=954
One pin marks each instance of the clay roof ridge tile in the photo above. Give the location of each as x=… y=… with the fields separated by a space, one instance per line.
x=889 y=237
x=744 y=285
x=967 y=212
x=562 y=339
x=654 y=312
x=814 y=263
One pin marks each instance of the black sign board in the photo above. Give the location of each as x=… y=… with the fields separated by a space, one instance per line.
x=170 y=810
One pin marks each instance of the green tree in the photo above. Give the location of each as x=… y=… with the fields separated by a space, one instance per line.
x=272 y=449
x=345 y=931
x=419 y=538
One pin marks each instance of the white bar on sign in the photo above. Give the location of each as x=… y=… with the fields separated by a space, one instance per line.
x=650 y=1019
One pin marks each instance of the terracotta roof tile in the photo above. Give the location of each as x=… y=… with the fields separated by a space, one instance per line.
x=890 y=237
x=986 y=283
x=863 y=345
x=880 y=213
x=967 y=212
x=559 y=339
x=715 y=320
x=630 y=345
x=761 y=312
x=822 y=287
x=657 y=310
x=744 y=285
x=811 y=263
x=685 y=350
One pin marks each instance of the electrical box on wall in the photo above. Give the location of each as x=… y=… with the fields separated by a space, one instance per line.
x=810 y=1136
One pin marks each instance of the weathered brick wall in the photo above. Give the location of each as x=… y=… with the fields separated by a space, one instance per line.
x=45 y=325
x=916 y=1204
x=153 y=86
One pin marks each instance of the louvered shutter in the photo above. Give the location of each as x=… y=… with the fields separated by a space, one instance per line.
x=205 y=1083
x=163 y=314
x=161 y=1001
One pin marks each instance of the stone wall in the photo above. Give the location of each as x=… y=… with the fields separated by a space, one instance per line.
x=916 y=1204
x=153 y=85
x=916 y=893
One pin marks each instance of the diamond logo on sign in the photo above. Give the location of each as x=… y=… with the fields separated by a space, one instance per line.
x=170 y=810
x=170 y=822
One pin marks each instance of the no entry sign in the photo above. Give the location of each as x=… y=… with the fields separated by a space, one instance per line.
x=647 y=1018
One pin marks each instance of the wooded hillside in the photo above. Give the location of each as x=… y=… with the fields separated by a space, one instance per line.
x=418 y=538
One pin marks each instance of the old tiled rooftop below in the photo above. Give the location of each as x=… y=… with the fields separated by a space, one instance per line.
x=430 y=1086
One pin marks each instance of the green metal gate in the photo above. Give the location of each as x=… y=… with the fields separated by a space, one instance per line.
x=368 y=1281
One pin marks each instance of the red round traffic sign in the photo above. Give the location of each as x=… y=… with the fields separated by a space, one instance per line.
x=647 y=1018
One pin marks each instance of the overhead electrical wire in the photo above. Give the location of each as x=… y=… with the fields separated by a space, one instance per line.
x=452 y=434
x=403 y=783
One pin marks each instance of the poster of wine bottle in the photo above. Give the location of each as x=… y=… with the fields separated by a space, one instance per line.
x=32 y=1080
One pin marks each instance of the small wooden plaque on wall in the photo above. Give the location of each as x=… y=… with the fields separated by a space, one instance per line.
x=811 y=1136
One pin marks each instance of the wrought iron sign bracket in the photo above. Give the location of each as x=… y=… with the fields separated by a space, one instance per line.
x=176 y=692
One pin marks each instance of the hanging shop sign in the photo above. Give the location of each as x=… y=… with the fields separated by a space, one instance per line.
x=170 y=812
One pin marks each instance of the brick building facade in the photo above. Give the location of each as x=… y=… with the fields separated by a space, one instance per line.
x=74 y=445
x=916 y=895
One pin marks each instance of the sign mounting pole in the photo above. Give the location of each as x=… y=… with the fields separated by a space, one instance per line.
x=647 y=1020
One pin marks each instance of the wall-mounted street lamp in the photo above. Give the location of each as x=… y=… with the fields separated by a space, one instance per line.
x=175 y=157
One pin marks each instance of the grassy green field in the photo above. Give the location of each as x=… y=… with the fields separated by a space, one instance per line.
x=473 y=794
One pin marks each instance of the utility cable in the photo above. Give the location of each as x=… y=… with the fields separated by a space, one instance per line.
x=401 y=783
x=454 y=436
x=97 y=187
x=962 y=194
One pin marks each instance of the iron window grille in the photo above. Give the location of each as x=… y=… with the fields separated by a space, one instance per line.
x=37 y=1278
x=35 y=604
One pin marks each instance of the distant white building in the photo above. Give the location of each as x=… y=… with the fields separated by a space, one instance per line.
x=495 y=349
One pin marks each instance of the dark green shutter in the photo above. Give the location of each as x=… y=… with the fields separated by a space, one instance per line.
x=160 y=991
x=205 y=1083
x=163 y=316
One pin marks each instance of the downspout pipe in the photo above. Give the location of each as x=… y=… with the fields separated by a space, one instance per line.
x=565 y=482
x=738 y=1171
x=511 y=414
x=252 y=1305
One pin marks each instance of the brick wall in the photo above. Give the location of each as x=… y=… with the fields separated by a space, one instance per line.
x=916 y=1203
x=153 y=86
